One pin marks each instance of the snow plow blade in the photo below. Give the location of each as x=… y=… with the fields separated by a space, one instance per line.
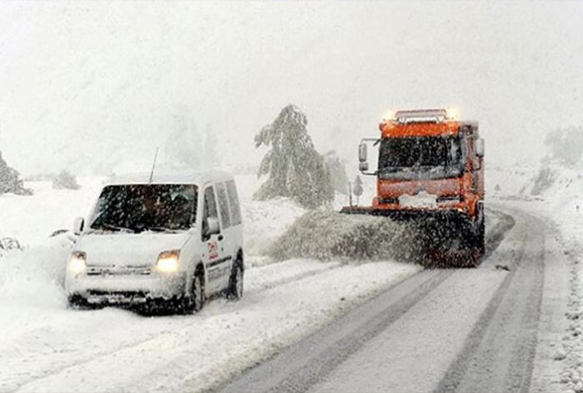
x=430 y=241
x=441 y=238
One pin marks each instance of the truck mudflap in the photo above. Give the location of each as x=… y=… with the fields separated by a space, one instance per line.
x=443 y=238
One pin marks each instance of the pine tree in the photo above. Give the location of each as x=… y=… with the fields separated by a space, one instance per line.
x=566 y=145
x=211 y=157
x=183 y=148
x=65 y=180
x=294 y=167
x=337 y=172
x=10 y=180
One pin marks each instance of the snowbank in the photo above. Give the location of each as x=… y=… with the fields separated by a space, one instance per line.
x=36 y=275
x=329 y=235
x=555 y=192
x=265 y=221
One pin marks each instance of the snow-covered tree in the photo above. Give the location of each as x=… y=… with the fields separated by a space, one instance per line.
x=183 y=146
x=566 y=145
x=65 y=180
x=211 y=156
x=337 y=171
x=10 y=180
x=543 y=181
x=293 y=166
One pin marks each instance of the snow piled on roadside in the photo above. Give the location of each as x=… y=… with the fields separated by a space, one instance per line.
x=35 y=276
x=560 y=200
x=264 y=221
x=566 y=206
x=327 y=235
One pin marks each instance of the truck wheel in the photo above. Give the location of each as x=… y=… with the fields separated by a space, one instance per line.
x=235 y=289
x=482 y=239
x=481 y=231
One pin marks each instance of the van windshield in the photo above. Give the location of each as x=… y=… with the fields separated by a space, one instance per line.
x=145 y=207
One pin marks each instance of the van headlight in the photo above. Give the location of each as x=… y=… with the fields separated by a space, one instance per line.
x=77 y=262
x=168 y=261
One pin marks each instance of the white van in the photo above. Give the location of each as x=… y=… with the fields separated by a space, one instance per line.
x=169 y=240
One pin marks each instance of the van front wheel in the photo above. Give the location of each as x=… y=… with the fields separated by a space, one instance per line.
x=197 y=294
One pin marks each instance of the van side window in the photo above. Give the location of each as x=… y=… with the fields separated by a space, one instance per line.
x=209 y=210
x=234 y=202
x=224 y=205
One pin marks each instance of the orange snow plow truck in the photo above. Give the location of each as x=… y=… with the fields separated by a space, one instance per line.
x=430 y=172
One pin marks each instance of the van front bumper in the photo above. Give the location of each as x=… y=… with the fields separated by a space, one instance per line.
x=126 y=289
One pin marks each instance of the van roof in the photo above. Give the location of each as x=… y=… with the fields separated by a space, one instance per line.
x=198 y=178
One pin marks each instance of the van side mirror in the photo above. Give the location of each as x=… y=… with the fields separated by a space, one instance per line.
x=480 y=147
x=362 y=152
x=363 y=166
x=78 y=226
x=213 y=227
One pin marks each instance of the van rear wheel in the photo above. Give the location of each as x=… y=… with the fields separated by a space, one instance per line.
x=235 y=289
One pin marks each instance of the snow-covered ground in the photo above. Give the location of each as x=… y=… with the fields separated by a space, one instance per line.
x=47 y=347
x=561 y=202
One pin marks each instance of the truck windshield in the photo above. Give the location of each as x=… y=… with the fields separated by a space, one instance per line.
x=145 y=207
x=421 y=157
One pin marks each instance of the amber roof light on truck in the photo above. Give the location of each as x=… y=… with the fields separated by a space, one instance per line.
x=423 y=116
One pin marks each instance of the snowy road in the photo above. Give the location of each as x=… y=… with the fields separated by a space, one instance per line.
x=381 y=326
x=441 y=330
x=48 y=348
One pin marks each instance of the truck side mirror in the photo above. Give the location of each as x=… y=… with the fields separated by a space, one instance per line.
x=78 y=226
x=362 y=153
x=480 y=147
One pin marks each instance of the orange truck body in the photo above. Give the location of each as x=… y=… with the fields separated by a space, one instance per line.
x=462 y=193
x=426 y=153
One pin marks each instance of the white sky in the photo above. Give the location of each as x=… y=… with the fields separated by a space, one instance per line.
x=87 y=83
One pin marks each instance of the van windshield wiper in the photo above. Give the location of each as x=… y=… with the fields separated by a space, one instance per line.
x=160 y=229
x=114 y=228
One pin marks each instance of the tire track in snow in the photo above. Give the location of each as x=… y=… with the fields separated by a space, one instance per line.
x=338 y=344
x=312 y=360
x=499 y=352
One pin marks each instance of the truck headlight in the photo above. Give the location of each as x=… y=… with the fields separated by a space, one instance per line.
x=77 y=262
x=168 y=261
